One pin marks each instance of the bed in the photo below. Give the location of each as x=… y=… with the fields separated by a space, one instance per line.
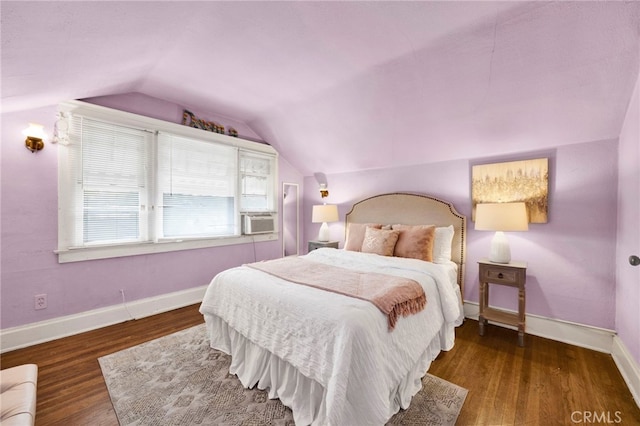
x=334 y=359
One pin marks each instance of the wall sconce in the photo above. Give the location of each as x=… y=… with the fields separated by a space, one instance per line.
x=35 y=134
x=322 y=182
x=324 y=191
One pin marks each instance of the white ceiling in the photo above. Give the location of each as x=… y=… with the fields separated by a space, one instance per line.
x=342 y=86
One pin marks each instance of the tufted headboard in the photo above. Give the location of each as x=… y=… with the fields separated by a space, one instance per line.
x=415 y=209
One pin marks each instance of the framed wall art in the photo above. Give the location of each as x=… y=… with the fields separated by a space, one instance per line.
x=514 y=181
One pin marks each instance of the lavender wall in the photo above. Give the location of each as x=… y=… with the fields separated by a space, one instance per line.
x=29 y=234
x=627 y=276
x=571 y=272
x=572 y=264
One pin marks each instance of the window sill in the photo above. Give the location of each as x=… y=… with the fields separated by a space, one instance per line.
x=106 y=252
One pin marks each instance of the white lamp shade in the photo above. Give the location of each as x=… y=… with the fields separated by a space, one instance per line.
x=501 y=217
x=325 y=213
x=35 y=131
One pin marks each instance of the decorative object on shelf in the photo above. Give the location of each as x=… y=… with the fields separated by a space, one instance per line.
x=232 y=132
x=322 y=214
x=35 y=135
x=524 y=181
x=189 y=119
x=501 y=217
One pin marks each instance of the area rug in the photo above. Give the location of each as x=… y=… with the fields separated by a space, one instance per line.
x=179 y=380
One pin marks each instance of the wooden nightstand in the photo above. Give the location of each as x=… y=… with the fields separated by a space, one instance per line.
x=512 y=274
x=319 y=244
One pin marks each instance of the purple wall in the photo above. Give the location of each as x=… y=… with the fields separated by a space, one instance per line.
x=29 y=235
x=571 y=273
x=628 y=243
x=572 y=259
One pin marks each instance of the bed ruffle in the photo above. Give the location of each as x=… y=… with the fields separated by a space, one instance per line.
x=307 y=398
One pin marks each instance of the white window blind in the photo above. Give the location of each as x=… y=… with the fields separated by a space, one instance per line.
x=110 y=182
x=256 y=182
x=196 y=188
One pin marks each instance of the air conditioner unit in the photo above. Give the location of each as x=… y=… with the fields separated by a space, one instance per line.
x=258 y=224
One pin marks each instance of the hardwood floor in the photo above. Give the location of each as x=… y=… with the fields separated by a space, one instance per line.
x=71 y=390
x=544 y=383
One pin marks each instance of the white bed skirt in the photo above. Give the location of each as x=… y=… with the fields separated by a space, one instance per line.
x=306 y=397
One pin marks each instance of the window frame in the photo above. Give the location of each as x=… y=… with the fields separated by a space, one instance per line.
x=68 y=253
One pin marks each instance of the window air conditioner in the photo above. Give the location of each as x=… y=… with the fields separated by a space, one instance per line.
x=258 y=224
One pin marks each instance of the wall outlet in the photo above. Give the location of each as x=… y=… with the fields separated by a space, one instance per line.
x=40 y=301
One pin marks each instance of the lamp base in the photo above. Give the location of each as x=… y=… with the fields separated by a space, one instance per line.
x=323 y=235
x=500 y=250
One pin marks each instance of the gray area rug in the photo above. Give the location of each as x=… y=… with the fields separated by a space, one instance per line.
x=179 y=380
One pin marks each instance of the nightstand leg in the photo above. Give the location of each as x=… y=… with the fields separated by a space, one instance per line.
x=483 y=304
x=521 y=314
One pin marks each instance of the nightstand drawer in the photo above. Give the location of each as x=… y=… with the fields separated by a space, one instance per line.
x=501 y=275
x=321 y=244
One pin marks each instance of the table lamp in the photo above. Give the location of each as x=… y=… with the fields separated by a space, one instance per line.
x=322 y=214
x=501 y=217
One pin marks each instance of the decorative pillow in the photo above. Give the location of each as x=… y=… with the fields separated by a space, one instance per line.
x=415 y=242
x=379 y=241
x=442 y=244
x=355 y=235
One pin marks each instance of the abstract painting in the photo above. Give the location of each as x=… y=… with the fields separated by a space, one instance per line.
x=524 y=181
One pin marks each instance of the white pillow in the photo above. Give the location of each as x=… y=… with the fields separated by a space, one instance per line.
x=442 y=244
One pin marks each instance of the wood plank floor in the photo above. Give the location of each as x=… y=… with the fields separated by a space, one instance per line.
x=544 y=383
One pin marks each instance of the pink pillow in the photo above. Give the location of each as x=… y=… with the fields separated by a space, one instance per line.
x=415 y=242
x=355 y=235
x=379 y=241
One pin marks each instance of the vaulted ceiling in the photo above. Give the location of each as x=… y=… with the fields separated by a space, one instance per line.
x=342 y=86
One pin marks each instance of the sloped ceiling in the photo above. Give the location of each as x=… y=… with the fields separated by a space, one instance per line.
x=343 y=86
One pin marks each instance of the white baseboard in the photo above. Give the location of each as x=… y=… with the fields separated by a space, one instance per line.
x=44 y=331
x=599 y=339
x=628 y=367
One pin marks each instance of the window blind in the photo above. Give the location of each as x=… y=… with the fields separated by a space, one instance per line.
x=256 y=182
x=196 y=188
x=111 y=181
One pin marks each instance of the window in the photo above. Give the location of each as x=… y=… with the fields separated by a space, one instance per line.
x=256 y=181
x=131 y=185
x=108 y=183
x=196 y=188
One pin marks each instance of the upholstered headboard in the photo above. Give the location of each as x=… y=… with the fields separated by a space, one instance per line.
x=415 y=209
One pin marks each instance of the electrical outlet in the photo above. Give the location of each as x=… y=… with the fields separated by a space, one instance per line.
x=40 y=301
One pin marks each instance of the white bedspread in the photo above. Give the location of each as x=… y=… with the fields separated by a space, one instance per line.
x=341 y=343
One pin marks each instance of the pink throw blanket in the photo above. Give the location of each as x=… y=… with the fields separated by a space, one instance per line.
x=394 y=296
